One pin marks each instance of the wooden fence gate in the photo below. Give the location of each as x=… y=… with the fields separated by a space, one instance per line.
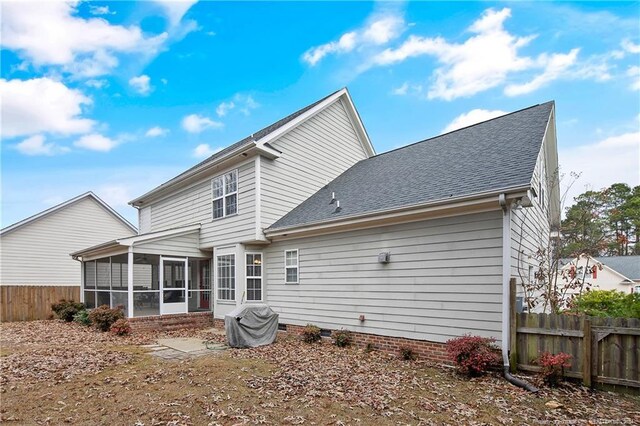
x=603 y=350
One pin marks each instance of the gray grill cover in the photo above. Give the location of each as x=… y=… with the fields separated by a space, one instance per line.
x=251 y=325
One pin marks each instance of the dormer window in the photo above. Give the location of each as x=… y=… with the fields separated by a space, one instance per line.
x=224 y=191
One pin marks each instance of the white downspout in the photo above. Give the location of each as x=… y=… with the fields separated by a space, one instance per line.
x=130 y=282
x=506 y=294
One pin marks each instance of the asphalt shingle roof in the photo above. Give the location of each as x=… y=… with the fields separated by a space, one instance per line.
x=489 y=156
x=629 y=266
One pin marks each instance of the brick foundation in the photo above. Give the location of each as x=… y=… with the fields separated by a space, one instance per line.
x=393 y=345
x=172 y=322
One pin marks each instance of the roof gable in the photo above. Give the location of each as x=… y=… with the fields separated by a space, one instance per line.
x=491 y=156
x=262 y=138
x=65 y=204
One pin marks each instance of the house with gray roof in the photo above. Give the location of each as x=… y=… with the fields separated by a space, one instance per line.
x=418 y=243
x=620 y=273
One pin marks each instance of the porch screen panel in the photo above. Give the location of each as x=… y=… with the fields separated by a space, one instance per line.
x=226 y=277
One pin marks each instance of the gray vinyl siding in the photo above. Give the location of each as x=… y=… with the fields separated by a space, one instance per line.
x=38 y=252
x=181 y=245
x=530 y=227
x=144 y=220
x=194 y=205
x=444 y=279
x=313 y=154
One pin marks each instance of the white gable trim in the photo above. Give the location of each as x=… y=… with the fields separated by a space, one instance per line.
x=61 y=206
x=351 y=112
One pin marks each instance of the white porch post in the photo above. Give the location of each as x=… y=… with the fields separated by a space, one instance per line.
x=130 y=282
x=82 y=282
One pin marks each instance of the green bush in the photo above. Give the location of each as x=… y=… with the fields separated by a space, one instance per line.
x=82 y=318
x=408 y=354
x=120 y=327
x=608 y=303
x=311 y=334
x=103 y=317
x=66 y=309
x=341 y=338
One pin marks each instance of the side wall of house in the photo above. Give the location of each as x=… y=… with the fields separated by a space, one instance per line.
x=531 y=226
x=313 y=154
x=443 y=280
x=194 y=205
x=38 y=252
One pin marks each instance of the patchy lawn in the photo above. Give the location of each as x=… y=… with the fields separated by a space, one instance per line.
x=55 y=373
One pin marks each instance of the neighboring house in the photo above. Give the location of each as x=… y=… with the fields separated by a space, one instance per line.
x=304 y=216
x=34 y=253
x=621 y=273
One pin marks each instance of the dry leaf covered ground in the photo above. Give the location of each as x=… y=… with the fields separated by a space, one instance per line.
x=57 y=373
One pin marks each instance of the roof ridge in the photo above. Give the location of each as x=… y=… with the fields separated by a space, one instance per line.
x=463 y=128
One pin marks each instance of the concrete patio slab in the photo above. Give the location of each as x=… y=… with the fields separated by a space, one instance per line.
x=183 y=344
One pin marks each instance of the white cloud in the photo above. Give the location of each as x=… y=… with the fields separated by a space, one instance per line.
x=35 y=145
x=50 y=33
x=243 y=103
x=614 y=159
x=472 y=117
x=630 y=46
x=224 y=107
x=402 y=90
x=156 y=131
x=42 y=105
x=634 y=73
x=96 y=142
x=482 y=62
x=195 y=123
x=141 y=84
x=100 y=10
x=380 y=30
x=175 y=9
x=97 y=83
x=556 y=65
x=204 y=150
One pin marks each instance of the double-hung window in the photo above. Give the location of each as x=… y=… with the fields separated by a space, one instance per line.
x=291 y=267
x=224 y=191
x=254 y=276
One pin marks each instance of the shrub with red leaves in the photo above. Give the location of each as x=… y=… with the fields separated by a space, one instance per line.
x=553 y=367
x=121 y=327
x=473 y=355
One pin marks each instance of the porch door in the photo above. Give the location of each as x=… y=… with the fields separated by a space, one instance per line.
x=173 y=285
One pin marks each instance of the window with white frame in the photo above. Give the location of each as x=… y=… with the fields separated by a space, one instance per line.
x=254 y=276
x=226 y=268
x=224 y=193
x=291 y=269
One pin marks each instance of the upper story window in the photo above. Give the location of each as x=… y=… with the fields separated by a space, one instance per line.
x=224 y=191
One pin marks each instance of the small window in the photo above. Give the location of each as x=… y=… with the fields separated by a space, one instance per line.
x=254 y=276
x=291 y=266
x=226 y=269
x=224 y=193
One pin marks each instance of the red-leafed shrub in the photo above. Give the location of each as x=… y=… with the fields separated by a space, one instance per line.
x=553 y=367
x=473 y=355
x=103 y=317
x=121 y=327
x=342 y=338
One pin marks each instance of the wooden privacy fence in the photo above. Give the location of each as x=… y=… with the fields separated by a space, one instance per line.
x=603 y=350
x=26 y=303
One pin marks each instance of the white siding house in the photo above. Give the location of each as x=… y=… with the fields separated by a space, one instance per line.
x=34 y=253
x=419 y=242
x=36 y=250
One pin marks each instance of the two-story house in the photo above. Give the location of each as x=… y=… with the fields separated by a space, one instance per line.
x=418 y=242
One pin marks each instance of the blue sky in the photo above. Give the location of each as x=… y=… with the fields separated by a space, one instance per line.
x=117 y=97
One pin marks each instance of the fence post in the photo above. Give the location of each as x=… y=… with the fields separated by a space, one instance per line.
x=513 y=344
x=586 y=351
